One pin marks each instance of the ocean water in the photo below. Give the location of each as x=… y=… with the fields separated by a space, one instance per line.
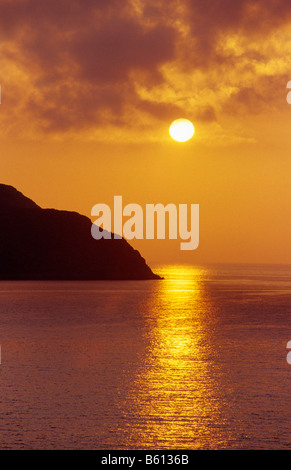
x=194 y=361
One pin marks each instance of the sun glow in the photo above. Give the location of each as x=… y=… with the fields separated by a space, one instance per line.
x=178 y=326
x=181 y=130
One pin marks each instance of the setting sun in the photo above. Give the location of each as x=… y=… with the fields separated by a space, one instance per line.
x=181 y=130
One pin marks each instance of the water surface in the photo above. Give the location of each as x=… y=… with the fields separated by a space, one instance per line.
x=194 y=361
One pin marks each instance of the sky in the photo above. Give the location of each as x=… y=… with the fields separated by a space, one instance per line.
x=90 y=88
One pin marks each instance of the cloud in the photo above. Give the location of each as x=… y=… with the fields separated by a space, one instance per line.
x=79 y=57
x=87 y=79
x=109 y=53
x=70 y=65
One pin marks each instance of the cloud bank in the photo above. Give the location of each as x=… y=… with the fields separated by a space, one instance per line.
x=70 y=66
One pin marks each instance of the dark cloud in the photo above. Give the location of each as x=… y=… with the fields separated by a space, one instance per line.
x=205 y=114
x=211 y=21
x=162 y=111
x=81 y=55
x=65 y=14
x=109 y=52
x=268 y=92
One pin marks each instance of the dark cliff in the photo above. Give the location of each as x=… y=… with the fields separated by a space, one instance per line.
x=49 y=244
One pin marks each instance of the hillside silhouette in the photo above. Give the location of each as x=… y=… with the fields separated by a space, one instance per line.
x=50 y=244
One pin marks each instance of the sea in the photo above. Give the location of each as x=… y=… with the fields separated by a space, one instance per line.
x=196 y=360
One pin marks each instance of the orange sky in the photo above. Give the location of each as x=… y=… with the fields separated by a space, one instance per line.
x=89 y=90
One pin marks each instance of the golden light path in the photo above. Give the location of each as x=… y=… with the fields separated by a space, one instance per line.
x=168 y=408
x=181 y=130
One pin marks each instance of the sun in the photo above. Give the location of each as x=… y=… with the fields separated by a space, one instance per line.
x=181 y=130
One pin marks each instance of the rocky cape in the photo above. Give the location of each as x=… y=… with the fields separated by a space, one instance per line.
x=49 y=244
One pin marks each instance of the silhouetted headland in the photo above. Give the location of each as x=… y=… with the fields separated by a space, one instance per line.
x=49 y=244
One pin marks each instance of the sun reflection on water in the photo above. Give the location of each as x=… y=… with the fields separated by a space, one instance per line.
x=168 y=409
